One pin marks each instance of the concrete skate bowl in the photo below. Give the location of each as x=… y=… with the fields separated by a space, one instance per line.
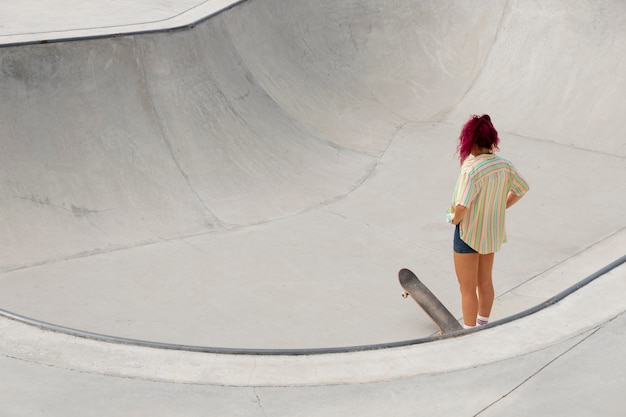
x=256 y=179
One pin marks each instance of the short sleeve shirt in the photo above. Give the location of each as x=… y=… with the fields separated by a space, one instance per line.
x=482 y=186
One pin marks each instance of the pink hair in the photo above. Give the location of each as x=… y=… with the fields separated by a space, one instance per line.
x=478 y=130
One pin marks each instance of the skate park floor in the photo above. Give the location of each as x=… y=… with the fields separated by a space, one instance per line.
x=308 y=258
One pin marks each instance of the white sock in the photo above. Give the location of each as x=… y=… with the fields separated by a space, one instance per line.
x=465 y=326
x=481 y=321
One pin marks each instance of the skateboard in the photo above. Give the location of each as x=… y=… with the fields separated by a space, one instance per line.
x=427 y=300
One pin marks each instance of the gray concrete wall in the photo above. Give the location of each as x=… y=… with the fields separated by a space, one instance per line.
x=267 y=110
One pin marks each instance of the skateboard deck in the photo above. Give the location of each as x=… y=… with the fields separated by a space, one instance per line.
x=427 y=300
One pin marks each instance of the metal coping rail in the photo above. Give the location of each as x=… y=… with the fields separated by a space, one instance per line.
x=175 y=28
x=304 y=352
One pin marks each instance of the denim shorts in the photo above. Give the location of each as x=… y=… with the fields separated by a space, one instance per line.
x=459 y=245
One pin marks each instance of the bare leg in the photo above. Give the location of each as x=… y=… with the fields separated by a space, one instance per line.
x=466 y=266
x=485 y=284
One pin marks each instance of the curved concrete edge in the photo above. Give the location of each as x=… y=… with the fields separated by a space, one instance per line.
x=595 y=304
x=184 y=20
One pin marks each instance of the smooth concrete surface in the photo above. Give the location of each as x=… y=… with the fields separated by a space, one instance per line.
x=576 y=377
x=525 y=335
x=257 y=180
x=332 y=271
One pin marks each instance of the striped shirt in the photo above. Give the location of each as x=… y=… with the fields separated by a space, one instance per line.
x=483 y=186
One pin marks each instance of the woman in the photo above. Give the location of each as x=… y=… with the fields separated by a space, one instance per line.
x=487 y=185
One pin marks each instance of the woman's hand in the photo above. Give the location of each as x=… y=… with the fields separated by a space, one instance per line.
x=459 y=213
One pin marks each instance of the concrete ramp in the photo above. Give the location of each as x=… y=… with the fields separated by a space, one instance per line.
x=258 y=179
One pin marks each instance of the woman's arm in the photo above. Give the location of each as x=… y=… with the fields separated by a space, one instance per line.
x=512 y=198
